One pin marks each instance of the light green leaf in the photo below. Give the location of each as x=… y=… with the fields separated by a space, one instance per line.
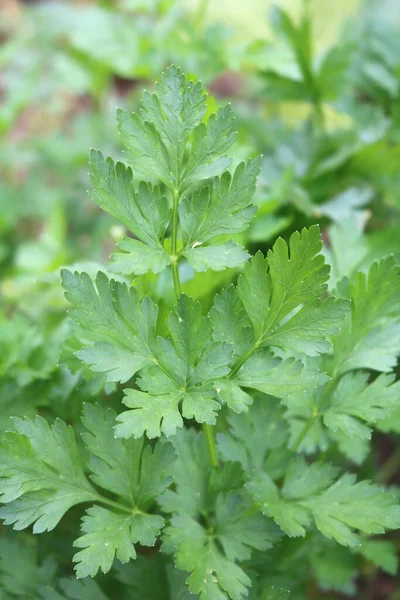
x=309 y=329
x=135 y=257
x=153 y=415
x=145 y=149
x=217 y=257
x=210 y=142
x=122 y=328
x=231 y=394
x=280 y=378
x=231 y=323
x=356 y=402
x=297 y=273
x=108 y=535
x=41 y=476
x=382 y=554
x=223 y=208
x=370 y=336
x=212 y=574
x=253 y=435
x=175 y=109
x=187 y=366
x=254 y=290
x=145 y=212
x=272 y=288
x=275 y=594
x=308 y=492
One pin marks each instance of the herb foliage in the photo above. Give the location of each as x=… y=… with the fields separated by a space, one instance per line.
x=288 y=368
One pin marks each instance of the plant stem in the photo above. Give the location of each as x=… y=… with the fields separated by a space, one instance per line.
x=243 y=359
x=112 y=504
x=208 y=431
x=304 y=431
x=390 y=467
x=174 y=245
x=308 y=424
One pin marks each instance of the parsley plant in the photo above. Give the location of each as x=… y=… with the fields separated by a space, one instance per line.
x=288 y=373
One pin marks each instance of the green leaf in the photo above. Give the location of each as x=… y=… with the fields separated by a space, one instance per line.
x=210 y=556
x=175 y=109
x=108 y=535
x=239 y=533
x=355 y=402
x=188 y=365
x=82 y=589
x=280 y=378
x=153 y=414
x=221 y=209
x=370 y=336
x=254 y=290
x=21 y=574
x=210 y=142
x=231 y=394
x=271 y=288
x=41 y=476
x=213 y=568
x=217 y=257
x=191 y=475
x=382 y=554
x=231 y=323
x=145 y=150
x=145 y=212
x=125 y=467
x=308 y=492
x=212 y=574
x=122 y=328
x=138 y=258
x=170 y=119
x=309 y=329
x=252 y=436
x=275 y=594
x=297 y=273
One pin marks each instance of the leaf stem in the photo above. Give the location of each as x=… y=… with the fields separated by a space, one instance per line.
x=243 y=359
x=174 y=245
x=308 y=424
x=116 y=505
x=208 y=431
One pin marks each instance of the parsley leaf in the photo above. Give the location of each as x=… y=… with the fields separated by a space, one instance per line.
x=355 y=401
x=272 y=288
x=370 y=336
x=310 y=491
x=188 y=364
x=42 y=478
x=122 y=327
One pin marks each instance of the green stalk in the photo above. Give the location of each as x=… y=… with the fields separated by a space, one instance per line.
x=308 y=424
x=207 y=429
x=174 y=244
x=117 y=505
